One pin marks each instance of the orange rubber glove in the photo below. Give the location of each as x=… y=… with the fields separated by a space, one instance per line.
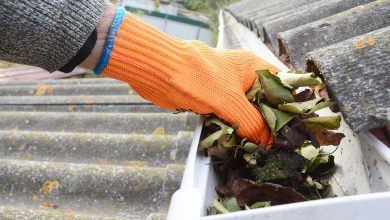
x=188 y=75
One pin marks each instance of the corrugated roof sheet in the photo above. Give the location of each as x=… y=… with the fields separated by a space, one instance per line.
x=87 y=149
x=345 y=41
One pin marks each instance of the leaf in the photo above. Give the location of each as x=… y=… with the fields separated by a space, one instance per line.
x=248 y=192
x=220 y=208
x=308 y=151
x=250 y=147
x=250 y=158
x=274 y=91
x=282 y=119
x=261 y=205
x=324 y=137
x=275 y=118
x=325 y=168
x=252 y=93
x=159 y=131
x=328 y=122
x=209 y=141
x=219 y=152
x=269 y=116
x=281 y=165
x=305 y=95
x=229 y=141
x=321 y=165
x=321 y=105
x=231 y=205
x=300 y=80
x=49 y=186
x=299 y=107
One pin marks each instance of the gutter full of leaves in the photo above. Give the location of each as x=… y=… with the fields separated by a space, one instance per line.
x=294 y=168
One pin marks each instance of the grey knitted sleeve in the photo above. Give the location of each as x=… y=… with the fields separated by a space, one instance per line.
x=46 y=33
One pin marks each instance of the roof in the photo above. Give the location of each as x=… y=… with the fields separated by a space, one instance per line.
x=347 y=42
x=87 y=149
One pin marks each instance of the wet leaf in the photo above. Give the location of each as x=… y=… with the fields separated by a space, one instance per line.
x=159 y=131
x=325 y=168
x=281 y=165
x=274 y=91
x=248 y=192
x=300 y=80
x=260 y=205
x=324 y=137
x=219 y=152
x=252 y=93
x=316 y=163
x=328 y=122
x=305 y=95
x=299 y=107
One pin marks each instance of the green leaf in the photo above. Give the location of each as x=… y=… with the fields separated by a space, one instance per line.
x=260 y=205
x=275 y=118
x=315 y=164
x=250 y=147
x=301 y=79
x=282 y=118
x=209 y=141
x=328 y=122
x=250 y=158
x=220 y=207
x=308 y=151
x=322 y=105
x=223 y=126
x=232 y=142
x=231 y=205
x=274 y=91
x=269 y=116
x=252 y=93
x=299 y=107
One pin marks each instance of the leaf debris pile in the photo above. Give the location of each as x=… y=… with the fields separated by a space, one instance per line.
x=294 y=167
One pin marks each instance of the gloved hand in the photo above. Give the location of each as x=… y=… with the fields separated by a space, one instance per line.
x=186 y=75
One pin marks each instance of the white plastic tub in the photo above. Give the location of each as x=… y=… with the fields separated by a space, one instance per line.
x=361 y=181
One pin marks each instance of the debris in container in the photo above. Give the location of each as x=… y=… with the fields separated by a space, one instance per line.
x=295 y=167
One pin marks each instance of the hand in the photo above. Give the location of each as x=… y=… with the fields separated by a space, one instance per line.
x=188 y=75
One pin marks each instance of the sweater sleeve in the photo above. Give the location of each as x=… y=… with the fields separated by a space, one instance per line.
x=46 y=33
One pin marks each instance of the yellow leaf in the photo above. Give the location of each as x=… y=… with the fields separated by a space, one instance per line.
x=49 y=205
x=43 y=89
x=49 y=186
x=70 y=107
x=159 y=131
x=103 y=162
x=89 y=102
x=135 y=164
x=26 y=155
x=35 y=197
x=15 y=128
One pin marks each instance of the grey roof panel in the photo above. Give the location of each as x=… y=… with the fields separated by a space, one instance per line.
x=336 y=28
x=113 y=154
x=303 y=15
x=356 y=72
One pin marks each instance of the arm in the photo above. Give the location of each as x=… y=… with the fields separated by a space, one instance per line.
x=47 y=33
